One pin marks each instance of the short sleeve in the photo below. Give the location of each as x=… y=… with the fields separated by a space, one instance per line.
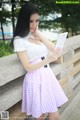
x=18 y=45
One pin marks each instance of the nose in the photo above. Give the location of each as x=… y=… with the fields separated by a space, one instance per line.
x=34 y=25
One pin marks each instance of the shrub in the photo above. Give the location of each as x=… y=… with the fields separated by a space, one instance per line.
x=5 y=48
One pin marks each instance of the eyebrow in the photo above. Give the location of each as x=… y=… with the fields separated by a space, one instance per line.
x=32 y=19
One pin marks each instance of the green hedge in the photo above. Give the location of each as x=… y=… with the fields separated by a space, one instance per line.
x=5 y=48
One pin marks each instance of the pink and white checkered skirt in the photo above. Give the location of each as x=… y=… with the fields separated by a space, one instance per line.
x=42 y=92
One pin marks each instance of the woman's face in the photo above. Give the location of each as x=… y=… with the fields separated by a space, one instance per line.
x=34 y=21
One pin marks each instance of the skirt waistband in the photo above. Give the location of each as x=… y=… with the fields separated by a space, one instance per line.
x=42 y=58
x=37 y=60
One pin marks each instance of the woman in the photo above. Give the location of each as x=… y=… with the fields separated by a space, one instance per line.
x=41 y=90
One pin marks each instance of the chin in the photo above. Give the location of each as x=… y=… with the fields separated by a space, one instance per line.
x=31 y=31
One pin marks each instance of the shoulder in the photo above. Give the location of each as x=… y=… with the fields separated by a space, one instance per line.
x=18 y=38
x=18 y=44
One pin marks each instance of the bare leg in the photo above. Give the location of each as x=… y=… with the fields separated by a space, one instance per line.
x=41 y=117
x=47 y=117
x=54 y=116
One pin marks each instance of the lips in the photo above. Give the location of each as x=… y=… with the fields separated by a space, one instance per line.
x=32 y=28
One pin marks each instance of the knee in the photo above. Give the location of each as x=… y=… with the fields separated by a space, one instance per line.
x=40 y=118
x=54 y=116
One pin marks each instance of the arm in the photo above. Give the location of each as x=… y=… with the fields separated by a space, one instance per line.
x=31 y=67
x=48 y=43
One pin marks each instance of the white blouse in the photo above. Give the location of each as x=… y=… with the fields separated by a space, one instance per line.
x=33 y=50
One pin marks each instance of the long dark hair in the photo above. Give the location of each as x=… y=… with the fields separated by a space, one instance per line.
x=23 y=21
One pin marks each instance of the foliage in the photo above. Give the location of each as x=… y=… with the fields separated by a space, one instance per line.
x=5 y=48
x=68 y=21
x=70 y=15
x=70 y=18
x=4 y=14
x=4 y=19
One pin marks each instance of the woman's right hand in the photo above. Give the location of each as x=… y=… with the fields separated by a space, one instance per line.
x=53 y=56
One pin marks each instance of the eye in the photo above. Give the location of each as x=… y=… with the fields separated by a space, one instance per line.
x=31 y=21
x=37 y=20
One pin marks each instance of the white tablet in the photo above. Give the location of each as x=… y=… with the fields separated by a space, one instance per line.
x=61 y=40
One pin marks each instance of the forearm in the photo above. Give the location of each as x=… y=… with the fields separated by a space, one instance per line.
x=52 y=56
x=38 y=65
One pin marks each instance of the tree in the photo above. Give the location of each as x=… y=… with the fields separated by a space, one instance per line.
x=4 y=14
x=13 y=13
x=69 y=19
